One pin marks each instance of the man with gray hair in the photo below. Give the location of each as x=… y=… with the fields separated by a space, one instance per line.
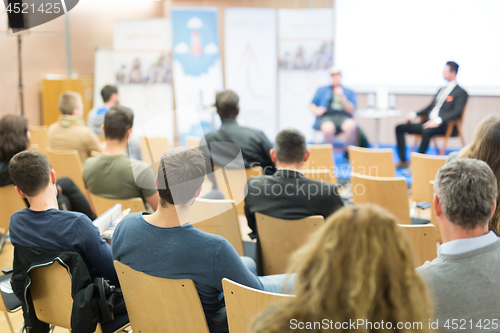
x=464 y=277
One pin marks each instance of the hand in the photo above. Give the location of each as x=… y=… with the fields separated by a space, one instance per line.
x=410 y=118
x=319 y=111
x=430 y=124
x=337 y=90
x=59 y=189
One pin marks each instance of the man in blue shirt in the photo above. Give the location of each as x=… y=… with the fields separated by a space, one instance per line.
x=95 y=118
x=44 y=226
x=165 y=245
x=334 y=106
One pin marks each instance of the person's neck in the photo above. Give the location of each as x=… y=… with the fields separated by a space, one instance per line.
x=44 y=200
x=451 y=232
x=293 y=167
x=170 y=216
x=115 y=147
x=109 y=104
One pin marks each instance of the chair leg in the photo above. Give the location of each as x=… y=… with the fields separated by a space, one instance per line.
x=449 y=130
x=22 y=328
x=3 y=238
x=9 y=322
x=437 y=146
x=459 y=130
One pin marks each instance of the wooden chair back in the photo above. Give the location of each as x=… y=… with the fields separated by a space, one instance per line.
x=152 y=150
x=279 y=238
x=389 y=193
x=321 y=157
x=101 y=205
x=372 y=162
x=40 y=137
x=192 y=141
x=434 y=222
x=157 y=305
x=326 y=175
x=10 y=202
x=424 y=169
x=231 y=183
x=218 y=217
x=34 y=147
x=423 y=239
x=243 y=304
x=67 y=163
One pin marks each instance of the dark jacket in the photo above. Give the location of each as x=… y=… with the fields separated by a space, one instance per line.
x=453 y=106
x=254 y=146
x=85 y=311
x=289 y=195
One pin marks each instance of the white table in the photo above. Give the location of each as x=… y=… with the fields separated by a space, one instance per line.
x=377 y=115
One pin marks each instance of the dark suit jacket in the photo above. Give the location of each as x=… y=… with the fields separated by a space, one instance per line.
x=453 y=106
x=253 y=144
x=289 y=195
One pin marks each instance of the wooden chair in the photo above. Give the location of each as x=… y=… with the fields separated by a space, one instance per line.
x=279 y=238
x=152 y=150
x=218 y=217
x=424 y=169
x=423 y=239
x=95 y=153
x=388 y=192
x=372 y=162
x=450 y=125
x=67 y=163
x=34 y=147
x=434 y=222
x=40 y=137
x=325 y=175
x=243 y=304
x=101 y=205
x=321 y=157
x=193 y=141
x=157 y=305
x=51 y=292
x=9 y=303
x=231 y=183
x=10 y=202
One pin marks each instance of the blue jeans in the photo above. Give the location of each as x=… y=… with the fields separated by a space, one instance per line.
x=272 y=283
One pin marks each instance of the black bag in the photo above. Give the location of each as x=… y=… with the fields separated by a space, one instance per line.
x=111 y=300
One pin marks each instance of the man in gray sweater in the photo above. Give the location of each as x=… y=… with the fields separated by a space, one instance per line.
x=463 y=279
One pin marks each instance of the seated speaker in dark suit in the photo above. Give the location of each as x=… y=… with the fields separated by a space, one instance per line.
x=448 y=104
x=288 y=194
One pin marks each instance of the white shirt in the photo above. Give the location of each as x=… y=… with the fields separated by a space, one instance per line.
x=441 y=97
x=458 y=246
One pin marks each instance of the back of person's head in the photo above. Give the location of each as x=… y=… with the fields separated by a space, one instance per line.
x=358 y=266
x=180 y=175
x=290 y=146
x=30 y=172
x=13 y=136
x=117 y=121
x=479 y=134
x=489 y=152
x=453 y=66
x=107 y=92
x=226 y=103
x=467 y=190
x=69 y=101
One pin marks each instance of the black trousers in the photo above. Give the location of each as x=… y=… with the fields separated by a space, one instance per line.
x=426 y=134
x=73 y=198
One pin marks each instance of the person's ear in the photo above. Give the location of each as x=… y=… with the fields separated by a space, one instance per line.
x=437 y=206
x=53 y=176
x=272 y=153
x=129 y=132
x=20 y=193
x=306 y=155
x=102 y=129
x=156 y=181
x=494 y=208
x=198 y=192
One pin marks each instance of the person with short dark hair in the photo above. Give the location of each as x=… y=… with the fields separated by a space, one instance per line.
x=448 y=104
x=166 y=245
x=288 y=194
x=70 y=132
x=44 y=226
x=463 y=277
x=253 y=143
x=95 y=118
x=113 y=174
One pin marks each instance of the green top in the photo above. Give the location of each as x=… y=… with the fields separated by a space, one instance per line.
x=118 y=177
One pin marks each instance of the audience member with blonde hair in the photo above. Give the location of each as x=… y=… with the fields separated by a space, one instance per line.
x=70 y=132
x=358 y=267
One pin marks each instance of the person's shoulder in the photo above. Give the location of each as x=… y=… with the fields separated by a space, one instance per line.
x=461 y=90
x=430 y=268
x=138 y=165
x=324 y=88
x=129 y=220
x=348 y=90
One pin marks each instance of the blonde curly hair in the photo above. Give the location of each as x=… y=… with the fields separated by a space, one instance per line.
x=358 y=266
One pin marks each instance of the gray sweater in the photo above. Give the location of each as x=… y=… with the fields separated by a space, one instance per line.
x=466 y=287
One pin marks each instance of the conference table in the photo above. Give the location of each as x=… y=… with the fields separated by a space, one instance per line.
x=377 y=115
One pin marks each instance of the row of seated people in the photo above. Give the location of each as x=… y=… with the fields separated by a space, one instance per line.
x=359 y=266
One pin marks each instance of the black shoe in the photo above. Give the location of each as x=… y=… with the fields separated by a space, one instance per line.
x=402 y=165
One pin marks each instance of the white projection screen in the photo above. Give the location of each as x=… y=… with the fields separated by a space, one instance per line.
x=404 y=45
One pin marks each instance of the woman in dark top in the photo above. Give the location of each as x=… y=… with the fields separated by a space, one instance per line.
x=14 y=138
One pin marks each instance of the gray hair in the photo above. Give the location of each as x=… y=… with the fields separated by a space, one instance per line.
x=467 y=190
